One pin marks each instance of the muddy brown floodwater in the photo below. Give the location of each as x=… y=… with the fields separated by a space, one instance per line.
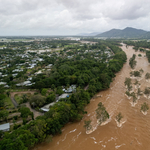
x=134 y=134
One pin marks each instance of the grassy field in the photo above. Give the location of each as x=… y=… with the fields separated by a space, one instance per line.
x=18 y=97
x=9 y=103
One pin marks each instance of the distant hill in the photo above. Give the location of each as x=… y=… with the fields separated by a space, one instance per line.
x=89 y=34
x=125 y=33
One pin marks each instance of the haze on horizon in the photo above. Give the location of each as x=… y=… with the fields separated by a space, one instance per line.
x=71 y=17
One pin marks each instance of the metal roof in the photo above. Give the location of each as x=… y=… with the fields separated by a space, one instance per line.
x=4 y=126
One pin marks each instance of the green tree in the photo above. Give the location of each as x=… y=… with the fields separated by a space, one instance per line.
x=53 y=87
x=24 y=98
x=2 y=102
x=37 y=101
x=43 y=92
x=134 y=97
x=4 y=114
x=147 y=91
x=25 y=112
x=132 y=61
x=141 y=70
x=147 y=76
x=51 y=98
x=127 y=93
x=139 y=92
x=87 y=125
x=101 y=113
x=144 y=107
x=128 y=84
x=119 y=117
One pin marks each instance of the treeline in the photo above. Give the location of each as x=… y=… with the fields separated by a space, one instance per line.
x=97 y=75
x=138 y=44
x=148 y=55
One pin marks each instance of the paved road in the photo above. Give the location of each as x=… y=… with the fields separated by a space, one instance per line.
x=14 y=102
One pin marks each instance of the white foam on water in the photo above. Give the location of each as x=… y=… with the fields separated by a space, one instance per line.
x=93 y=138
x=133 y=104
x=65 y=137
x=106 y=122
x=88 y=114
x=112 y=139
x=76 y=137
x=92 y=130
x=120 y=101
x=118 y=146
x=138 y=141
x=107 y=98
x=104 y=145
x=144 y=113
x=129 y=97
x=68 y=133
x=121 y=122
x=73 y=131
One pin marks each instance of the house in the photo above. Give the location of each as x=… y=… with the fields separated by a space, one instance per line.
x=5 y=127
x=25 y=83
x=49 y=66
x=46 y=107
x=62 y=96
x=71 y=89
x=39 y=72
x=3 y=83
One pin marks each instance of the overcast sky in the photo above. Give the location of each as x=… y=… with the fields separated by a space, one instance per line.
x=70 y=17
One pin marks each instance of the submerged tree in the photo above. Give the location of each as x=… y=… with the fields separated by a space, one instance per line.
x=141 y=71
x=147 y=76
x=144 y=107
x=87 y=125
x=134 y=97
x=128 y=84
x=139 y=92
x=137 y=84
x=147 y=91
x=132 y=61
x=119 y=117
x=127 y=93
x=101 y=113
x=135 y=73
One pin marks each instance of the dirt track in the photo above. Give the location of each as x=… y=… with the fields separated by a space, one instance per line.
x=12 y=94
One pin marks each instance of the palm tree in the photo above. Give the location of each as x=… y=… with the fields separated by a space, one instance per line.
x=119 y=117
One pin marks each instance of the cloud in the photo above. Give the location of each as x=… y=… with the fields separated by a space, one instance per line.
x=71 y=16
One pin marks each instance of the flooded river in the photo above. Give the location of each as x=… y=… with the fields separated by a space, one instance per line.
x=134 y=134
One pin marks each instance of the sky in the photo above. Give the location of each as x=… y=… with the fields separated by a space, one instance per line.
x=71 y=17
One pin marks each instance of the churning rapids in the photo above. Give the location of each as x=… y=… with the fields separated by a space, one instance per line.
x=134 y=134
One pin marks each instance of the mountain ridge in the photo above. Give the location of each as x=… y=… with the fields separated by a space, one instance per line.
x=128 y=32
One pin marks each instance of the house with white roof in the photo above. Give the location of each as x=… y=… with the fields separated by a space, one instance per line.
x=5 y=127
